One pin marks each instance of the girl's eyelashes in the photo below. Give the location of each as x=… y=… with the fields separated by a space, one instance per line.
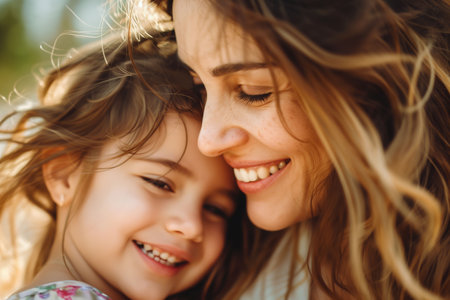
x=160 y=184
x=217 y=211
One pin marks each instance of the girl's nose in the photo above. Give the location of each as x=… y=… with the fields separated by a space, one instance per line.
x=186 y=223
x=221 y=130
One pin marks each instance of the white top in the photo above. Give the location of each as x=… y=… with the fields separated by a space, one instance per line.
x=272 y=282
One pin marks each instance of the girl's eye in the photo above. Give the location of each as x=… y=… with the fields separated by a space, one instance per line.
x=158 y=184
x=216 y=211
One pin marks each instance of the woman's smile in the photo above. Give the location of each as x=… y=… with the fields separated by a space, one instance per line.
x=253 y=177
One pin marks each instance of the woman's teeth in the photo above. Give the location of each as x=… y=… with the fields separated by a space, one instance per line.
x=255 y=174
x=158 y=255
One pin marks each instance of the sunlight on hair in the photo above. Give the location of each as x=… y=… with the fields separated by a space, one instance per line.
x=24 y=242
x=139 y=16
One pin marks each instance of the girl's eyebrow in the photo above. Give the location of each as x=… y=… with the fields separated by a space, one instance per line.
x=173 y=165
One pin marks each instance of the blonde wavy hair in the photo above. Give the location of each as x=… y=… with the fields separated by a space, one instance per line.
x=373 y=78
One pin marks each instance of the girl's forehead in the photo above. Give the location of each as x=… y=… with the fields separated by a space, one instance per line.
x=172 y=125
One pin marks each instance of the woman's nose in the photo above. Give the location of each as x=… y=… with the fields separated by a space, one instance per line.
x=221 y=130
x=186 y=223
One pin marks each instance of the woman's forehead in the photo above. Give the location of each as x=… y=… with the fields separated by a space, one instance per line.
x=206 y=39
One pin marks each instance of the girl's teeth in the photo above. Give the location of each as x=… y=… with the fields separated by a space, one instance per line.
x=157 y=255
x=250 y=175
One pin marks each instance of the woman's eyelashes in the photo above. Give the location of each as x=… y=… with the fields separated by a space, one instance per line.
x=253 y=98
x=159 y=184
x=253 y=94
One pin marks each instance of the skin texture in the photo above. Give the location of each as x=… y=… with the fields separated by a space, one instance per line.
x=181 y=208
x=249 y=133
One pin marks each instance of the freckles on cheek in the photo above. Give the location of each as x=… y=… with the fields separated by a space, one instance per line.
x=272 y=130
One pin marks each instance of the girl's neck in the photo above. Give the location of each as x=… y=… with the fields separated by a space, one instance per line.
x=53 y=270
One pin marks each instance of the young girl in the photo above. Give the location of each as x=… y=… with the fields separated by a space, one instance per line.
x=134 y=210
x=335 y=116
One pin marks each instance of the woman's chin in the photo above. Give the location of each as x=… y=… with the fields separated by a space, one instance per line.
x=272 y=214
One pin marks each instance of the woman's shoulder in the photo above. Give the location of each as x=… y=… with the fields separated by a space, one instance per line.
x=66 y=289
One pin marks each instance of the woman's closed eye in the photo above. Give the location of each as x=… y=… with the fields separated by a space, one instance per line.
x=254 y=98
x=160 y=184
x=253 y=94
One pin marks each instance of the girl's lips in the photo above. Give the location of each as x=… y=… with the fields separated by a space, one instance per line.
x=261 y=184
x=163 y=255
x=157 y=265
x=181 y=252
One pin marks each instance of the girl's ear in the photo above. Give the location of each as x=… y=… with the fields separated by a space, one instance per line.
x=61 y=176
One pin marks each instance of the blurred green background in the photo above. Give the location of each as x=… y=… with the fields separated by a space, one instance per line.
x=28 y=30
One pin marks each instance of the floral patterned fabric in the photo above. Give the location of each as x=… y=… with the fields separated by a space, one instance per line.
x=61 y=290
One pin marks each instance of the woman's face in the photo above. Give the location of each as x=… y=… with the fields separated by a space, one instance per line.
x=274 y=168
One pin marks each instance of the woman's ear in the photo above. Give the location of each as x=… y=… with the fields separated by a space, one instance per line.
x=61 y=176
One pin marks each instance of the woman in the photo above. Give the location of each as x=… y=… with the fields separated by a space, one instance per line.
x=334 y=116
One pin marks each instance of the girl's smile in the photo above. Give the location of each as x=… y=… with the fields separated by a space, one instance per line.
x=165 y=257
x=161 y=262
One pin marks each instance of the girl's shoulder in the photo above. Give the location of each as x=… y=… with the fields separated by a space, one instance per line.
x=65 y=290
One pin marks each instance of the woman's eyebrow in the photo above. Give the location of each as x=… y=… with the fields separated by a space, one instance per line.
x=232 y=68
x=236 y=67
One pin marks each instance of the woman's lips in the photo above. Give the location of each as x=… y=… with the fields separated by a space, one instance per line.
x=257 y=173
x=258 y=177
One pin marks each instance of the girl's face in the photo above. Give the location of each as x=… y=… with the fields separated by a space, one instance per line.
x=272 y=167
x=153 y=225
